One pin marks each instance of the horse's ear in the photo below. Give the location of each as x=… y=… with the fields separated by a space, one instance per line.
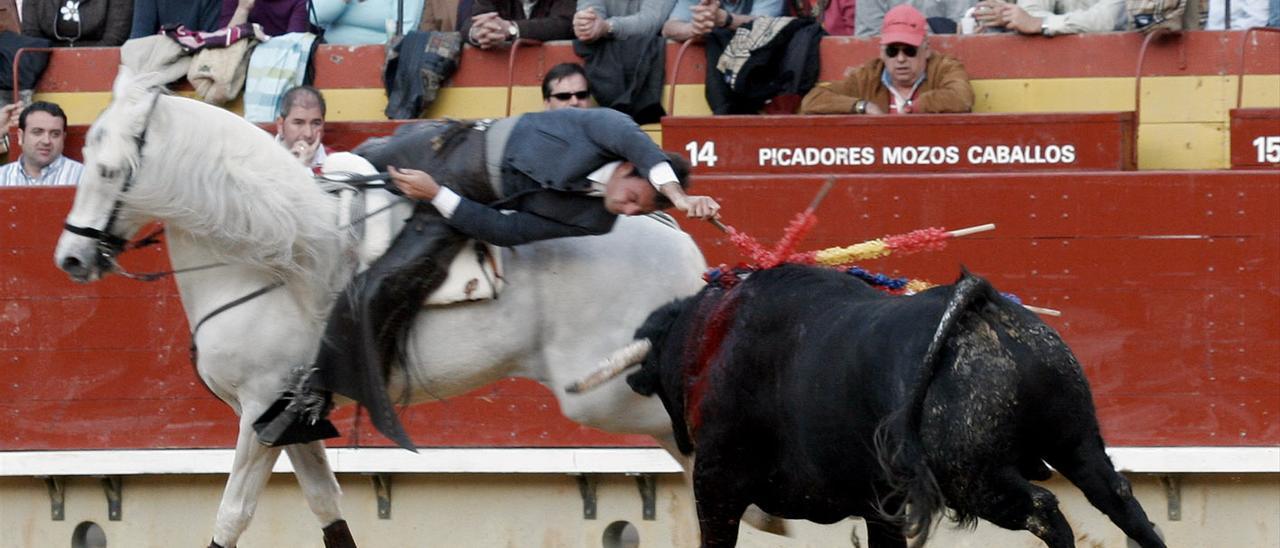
x=124 y=76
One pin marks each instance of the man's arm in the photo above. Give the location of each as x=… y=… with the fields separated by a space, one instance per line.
x=868 y=16
x=646 y=22
x=1101 y=16
x=487 y=224
x=557 y=25
x=836 y=97
x=953 y=92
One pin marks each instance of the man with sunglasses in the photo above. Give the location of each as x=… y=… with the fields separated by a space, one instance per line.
x=906 y=78
x=565 y=86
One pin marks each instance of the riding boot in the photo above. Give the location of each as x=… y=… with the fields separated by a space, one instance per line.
x=338 y=535
x=368 y=321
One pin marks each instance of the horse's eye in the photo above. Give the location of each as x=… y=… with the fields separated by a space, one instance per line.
x=106 y=172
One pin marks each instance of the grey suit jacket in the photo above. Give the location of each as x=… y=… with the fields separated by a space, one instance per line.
x=544 y=176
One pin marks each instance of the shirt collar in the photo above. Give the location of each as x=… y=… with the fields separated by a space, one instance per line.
x=600 y=177
x=45 y=173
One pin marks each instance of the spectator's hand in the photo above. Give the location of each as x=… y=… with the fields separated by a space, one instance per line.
x=414 y=184
x=989 y=14
x=9 y=116
x=873 y=108
x=705 y=14
x=304 y=151
x=698 y=207
x=488 y=30
x=588 y=26
x=1018 y=19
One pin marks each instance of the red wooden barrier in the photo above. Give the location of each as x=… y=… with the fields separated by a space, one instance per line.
x=1167 y=281
x=1255 y=138
x=904 y=144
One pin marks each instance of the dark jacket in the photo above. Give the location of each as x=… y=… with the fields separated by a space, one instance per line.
x=150 y=15
x=101 y=22
x=32 y=65
x=550 y=197
x=786 y=65
x=626 y=74
x=550 y=20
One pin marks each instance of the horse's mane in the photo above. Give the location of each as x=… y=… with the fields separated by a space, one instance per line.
x=221 y=181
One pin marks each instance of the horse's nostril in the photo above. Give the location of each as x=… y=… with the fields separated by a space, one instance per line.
x=71 y=265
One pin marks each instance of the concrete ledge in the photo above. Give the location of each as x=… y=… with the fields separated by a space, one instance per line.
x=541 y=461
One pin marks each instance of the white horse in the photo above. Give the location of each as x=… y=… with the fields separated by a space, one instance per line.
x=227 y=193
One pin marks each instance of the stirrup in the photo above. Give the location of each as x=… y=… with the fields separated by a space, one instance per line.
x=282 y=424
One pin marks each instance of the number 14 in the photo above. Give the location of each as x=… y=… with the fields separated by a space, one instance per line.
x=706 y=153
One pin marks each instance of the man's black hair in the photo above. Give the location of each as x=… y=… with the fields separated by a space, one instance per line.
x=298 y=95
x=42 y=106
x=560 y=72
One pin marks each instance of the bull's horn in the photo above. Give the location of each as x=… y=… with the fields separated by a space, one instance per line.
x=621 y=360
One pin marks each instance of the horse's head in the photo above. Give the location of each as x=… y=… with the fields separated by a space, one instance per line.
x=99 y=224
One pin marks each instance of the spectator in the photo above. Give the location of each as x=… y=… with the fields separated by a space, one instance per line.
x=870 y=13
x=70 y=23
x=351 y=22
x=276 y=16
x=1273 y=19
x=8 y=119
x=565 y=86
x=197 y=15
x=439 y=16
x=621 y=19
x=1244 y=14
x=497 y=22
x=693 y=19
x=1052 y=17
x=906 y=78
x=300 y=126
x=42 y=131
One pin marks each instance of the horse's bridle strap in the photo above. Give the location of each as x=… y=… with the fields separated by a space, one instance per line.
x=100 y=235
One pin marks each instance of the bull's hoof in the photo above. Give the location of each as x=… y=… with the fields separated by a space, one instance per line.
x=338 y=535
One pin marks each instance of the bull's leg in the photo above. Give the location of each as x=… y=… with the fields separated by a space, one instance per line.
x=1090 y=470
x=753 y=516
x=720 y=501
x=249 y=474
x=1007 y=499
x=318 y=484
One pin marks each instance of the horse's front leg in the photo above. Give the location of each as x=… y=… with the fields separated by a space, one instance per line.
x=311 y=466
x=249 y=474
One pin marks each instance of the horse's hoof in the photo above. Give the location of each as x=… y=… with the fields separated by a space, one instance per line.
x=338 y=535
x=213 y=544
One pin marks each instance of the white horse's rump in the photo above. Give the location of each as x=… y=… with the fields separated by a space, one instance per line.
x=228 y=193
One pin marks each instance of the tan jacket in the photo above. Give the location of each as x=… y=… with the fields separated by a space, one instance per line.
x=945 y=89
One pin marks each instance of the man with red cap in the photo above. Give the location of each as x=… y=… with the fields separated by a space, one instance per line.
x=907 y=77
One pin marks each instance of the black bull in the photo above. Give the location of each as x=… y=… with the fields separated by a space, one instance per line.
x=815 y=396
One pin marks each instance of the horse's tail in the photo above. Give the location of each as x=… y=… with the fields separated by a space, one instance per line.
x=915 y=495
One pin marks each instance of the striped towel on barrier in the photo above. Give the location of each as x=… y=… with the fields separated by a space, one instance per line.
x=277 y=65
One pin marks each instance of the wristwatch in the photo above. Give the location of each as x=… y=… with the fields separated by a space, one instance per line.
x=1044 y=27
x=513 y=32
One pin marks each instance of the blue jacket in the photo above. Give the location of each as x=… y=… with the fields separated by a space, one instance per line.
x=544 y=176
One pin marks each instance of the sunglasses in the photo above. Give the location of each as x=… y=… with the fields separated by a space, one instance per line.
x=892 y=50
x=566 y=95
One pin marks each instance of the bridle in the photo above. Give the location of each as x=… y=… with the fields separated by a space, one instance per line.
x=109 y=245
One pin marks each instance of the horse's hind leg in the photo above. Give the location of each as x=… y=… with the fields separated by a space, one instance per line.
x=311 y=467
x=1088 y=467
x=249 y=474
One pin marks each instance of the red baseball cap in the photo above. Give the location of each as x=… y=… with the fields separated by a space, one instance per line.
x=903 y=25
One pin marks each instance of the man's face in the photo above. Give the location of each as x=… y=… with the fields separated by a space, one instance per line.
x=904 y=69
x=43 y=138
x=572 y=91
x=627 y=193
x=302 y=123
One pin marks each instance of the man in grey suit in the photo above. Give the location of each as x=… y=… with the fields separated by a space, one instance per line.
x=566 y=172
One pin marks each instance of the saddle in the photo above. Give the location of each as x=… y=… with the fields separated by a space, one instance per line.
x=476 y=274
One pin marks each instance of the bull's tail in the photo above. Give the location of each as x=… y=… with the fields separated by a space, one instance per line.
x=916 y=498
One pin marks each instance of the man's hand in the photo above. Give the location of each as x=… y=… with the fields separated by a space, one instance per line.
x=488 y=30
x=873 y=108
x=588 y=26
x=9 y=116
x=705 y=16
x=995 y=14
x=698 y=207
x=305 y=152
x=414 y=184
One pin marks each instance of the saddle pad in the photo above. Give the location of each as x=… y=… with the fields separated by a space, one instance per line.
x=474 y=275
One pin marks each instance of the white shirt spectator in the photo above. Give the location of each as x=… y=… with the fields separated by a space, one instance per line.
x=62 y=172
